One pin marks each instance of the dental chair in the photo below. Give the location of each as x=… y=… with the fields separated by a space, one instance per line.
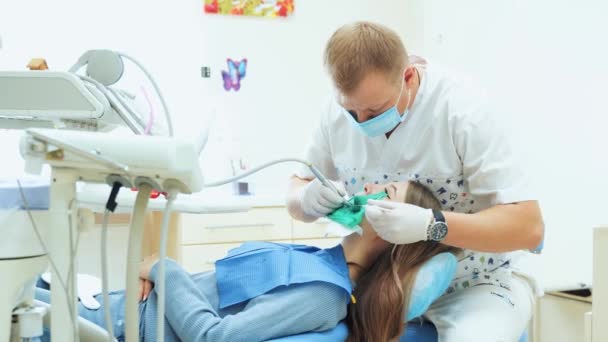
x=418 y=330
x=88 y=331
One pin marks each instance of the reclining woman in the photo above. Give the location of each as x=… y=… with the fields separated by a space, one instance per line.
x=262 y=291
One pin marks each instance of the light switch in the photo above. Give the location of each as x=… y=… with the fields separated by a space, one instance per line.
x=205 y=72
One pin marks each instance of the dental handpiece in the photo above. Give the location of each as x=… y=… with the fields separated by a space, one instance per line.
x=329 y=184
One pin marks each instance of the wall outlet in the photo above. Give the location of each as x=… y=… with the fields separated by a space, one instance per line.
x=205 y=72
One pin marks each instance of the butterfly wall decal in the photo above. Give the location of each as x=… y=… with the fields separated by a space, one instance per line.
x=236 y=72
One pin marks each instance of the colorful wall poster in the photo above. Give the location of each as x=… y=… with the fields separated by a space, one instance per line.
x=257 y=8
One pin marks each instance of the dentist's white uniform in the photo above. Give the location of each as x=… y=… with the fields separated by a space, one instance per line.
x=450 y=143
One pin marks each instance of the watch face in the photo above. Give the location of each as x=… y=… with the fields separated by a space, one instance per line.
x=439 y=231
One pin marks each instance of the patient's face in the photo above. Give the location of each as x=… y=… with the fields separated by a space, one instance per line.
x=396 y=191
x=364 y=249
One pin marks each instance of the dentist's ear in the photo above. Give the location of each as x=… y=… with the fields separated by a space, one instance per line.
x=409 y=73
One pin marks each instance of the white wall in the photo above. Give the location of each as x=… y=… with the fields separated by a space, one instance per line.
x=544 y=62
x=161 y=34
x=271 y=117
x=273 y=114
x=285 y=88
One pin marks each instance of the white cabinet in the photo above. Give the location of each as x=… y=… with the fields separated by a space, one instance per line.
x=263 y=224
x=321 y=243
x=560 y=318
x=203 y=239
x=303 y=230
x=563 y=317
x=200 y=258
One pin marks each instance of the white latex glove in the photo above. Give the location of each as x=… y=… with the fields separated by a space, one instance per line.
x=398 y=223
x=318 y=200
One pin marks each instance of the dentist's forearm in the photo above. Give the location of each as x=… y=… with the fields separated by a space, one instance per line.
x=502 y=228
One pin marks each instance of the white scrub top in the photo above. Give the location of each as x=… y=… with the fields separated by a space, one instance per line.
x=450 y=143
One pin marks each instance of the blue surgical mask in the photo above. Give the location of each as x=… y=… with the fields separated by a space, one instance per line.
x=382 y=123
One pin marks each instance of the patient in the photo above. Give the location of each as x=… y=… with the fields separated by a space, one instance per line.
x=262 y=290
x=383 y=293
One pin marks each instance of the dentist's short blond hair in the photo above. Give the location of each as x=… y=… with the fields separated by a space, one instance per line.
x=356 y=49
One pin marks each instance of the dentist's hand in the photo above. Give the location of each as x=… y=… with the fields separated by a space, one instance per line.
x=398 y=223
x=317 y=200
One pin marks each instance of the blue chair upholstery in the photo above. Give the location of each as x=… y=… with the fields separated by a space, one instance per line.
x=426 y=332
x=339 y=333
x=420 y=332
x=416 y=331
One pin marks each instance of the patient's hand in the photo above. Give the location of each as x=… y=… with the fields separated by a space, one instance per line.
x=146 y=266
x=145 y=287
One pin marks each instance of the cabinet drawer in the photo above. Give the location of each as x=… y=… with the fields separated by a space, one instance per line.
x=257 y=224
x=567 y=314
x=321 y=243
x=200 y=258
x=303 y=230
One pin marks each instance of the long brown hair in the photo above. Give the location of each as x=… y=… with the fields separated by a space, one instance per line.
x=383 y=293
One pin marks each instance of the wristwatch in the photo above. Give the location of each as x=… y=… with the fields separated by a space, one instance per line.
x=438 y=229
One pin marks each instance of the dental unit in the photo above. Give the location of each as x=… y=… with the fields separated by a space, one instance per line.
x=85 y=108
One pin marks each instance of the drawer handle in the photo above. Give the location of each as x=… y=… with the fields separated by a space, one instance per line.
x=233 y=226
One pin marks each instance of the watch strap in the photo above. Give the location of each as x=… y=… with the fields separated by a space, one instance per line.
x=438 y=216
